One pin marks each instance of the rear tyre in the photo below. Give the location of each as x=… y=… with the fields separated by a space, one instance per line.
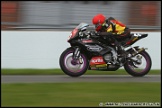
x=135 y=69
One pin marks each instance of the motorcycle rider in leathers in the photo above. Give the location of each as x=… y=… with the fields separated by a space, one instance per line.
x=110 y=27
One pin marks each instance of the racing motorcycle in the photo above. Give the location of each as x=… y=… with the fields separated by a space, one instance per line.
x=85 y=50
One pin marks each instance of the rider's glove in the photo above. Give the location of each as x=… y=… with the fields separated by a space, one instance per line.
x=93 y=33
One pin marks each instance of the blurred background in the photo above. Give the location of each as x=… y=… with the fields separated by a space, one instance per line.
x=68 y=14
x=27 y=43
x=43 y=21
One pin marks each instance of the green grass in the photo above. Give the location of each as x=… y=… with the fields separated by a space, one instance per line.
x=77 y=94
x=60 y=72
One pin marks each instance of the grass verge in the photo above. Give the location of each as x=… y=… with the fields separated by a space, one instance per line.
x=81 y=94
x=60 y=72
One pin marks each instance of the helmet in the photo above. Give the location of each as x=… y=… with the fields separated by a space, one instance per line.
x=98 y=20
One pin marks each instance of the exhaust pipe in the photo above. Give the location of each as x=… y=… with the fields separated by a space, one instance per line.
x=138 y=51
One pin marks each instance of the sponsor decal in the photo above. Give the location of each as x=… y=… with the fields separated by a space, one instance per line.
x=87 y=41
x=97 y=60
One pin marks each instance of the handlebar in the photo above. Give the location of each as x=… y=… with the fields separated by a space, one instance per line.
x=92 y=34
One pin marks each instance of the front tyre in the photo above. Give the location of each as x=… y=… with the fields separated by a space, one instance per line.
x=140 y=68
x=70 y=67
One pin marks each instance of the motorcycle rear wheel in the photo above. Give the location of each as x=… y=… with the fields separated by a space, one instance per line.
x=132 y=68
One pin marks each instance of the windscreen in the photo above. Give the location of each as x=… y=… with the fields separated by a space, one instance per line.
x=82 y=25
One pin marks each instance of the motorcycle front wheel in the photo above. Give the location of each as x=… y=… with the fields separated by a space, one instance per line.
x=73 y=67
x=140 y=65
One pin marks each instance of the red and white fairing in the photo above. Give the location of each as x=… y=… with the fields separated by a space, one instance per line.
x=98 y=60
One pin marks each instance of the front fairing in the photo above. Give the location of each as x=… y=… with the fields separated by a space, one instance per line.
x=75 y=32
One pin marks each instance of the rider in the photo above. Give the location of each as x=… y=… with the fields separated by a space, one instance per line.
x=110 y=27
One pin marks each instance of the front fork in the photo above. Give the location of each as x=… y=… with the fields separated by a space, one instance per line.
x=76 y=55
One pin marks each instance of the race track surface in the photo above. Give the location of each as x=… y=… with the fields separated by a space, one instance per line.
x=83 y=78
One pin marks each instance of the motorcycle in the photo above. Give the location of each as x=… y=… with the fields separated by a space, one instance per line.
x=85 y=54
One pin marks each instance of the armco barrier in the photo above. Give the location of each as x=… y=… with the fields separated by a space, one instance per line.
x=42 y=49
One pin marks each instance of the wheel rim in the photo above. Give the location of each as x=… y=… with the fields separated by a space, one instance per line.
x=140 y=67
x=74 y=66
